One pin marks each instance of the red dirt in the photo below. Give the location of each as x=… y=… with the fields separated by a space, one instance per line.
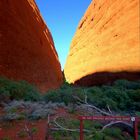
x=12 y=129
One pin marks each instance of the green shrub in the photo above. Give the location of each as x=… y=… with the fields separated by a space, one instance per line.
x=12 y=110
x=122 y=95
x=125 y=84
x=22 y=116
x=4 y=95
x=98 y=136
x=53 y=96
x=22 y=134
x=64 y=95
x=114 y=133
x=34 y=130
x=18 y=90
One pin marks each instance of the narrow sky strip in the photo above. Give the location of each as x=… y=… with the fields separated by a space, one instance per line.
x=62 y=18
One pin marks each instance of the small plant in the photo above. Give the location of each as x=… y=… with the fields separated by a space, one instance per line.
x=72 y=108
x=34 y=130
x=10 y=116
x=22 y=134
x=18 y=90
x=12 y=110
x=22 y=116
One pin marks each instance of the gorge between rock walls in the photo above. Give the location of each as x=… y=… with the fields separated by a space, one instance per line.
x=105 y=47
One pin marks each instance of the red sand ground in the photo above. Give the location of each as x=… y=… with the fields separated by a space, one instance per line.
x=13 y=128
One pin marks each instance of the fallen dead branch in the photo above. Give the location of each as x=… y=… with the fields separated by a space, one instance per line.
x=85 y=103
x=123 y=125
x=61 y=128
x=120 y=124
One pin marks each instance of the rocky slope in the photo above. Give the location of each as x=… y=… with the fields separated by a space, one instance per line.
x=26 y=46
x=106 y=45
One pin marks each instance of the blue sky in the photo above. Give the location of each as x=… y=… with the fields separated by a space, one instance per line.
x=62 y=17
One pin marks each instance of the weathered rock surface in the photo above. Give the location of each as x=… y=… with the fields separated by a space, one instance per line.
x=26 y=46
x=106 y=45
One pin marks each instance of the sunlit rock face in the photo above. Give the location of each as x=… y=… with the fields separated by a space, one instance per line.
x=106 y=45
x=26 y=46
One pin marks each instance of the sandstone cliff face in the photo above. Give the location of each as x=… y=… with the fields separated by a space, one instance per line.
x=106 y=45
x=26 y=46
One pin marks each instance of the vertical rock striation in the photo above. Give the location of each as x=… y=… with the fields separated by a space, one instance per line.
x=26 y=46
x=106 y=45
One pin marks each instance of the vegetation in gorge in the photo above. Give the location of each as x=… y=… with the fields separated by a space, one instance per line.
x=22 y=101
x=94 y=129
x=122 y=95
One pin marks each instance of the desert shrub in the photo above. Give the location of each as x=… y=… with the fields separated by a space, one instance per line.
x=29 y=110
x=22 y=134
x=22 y=116
x=113 y=133
x=12 y=110
x=122 y=95
x=67 y=96
x=125 y=84
x=18 y=90
x=107 y=134
x=34 y=130
x=98 y=136
x=95 y=130
x=119 y=98
x=95 y=96
x=4 y=95
x=52 y=95
x=65 y=85
x=98 y=97
x=134 y=95
x=10 y=117
x=63 y=94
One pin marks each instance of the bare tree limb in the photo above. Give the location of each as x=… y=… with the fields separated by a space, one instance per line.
x=84 y=102
x=109 y=109
x=98 y=109
x=48 y=118
x=91 y=106
x=61 y=128
x=128 y=125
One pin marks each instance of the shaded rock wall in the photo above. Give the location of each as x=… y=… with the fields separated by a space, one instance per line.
x=26 y=46
x=106 y=45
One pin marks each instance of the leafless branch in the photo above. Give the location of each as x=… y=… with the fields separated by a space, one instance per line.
x=128 y=125
x=61 y=128
x=91 y=106
x=109 y=109
x=48 y=118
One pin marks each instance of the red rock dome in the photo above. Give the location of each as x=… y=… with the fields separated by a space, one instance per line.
x=106 y=45
x=26 y=46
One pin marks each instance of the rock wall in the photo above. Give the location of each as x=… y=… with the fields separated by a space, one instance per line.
x=106 y=45
x=26 y=46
